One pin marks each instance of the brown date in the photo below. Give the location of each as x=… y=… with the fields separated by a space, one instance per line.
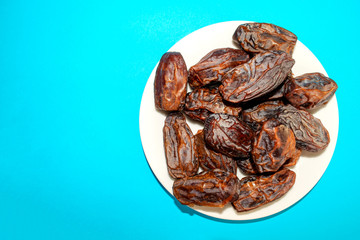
x=310 y=133
x=258 y=77
x=228 y=135
x=214 y=188
x=273 y=146
x=209 y=159
x=259 y=114
x=179 y=146
x=214 y=65
x=246 y=166
x=260 y=37
x=292 y=161
x=276 y=94
x=310 y=91
x=202 y=102
x=256 y=191
x=279 y=92
x=170 y=82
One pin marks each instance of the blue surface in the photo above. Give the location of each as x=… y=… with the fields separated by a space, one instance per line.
x=71 y=80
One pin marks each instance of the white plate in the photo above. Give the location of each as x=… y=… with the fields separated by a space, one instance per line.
x=310 y=167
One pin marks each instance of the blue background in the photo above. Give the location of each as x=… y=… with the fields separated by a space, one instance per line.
x=72 y=75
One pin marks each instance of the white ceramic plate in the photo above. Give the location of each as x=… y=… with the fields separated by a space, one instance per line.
x=310 y=167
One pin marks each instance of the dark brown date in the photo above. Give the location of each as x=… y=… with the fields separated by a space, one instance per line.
x=292 y=161
x=246 y=166
x=209 y=159
x=279 y=92
x=310 y=133
x=273 y=146
x=256 y=191
x=214 y=188
x=310 y=91
x=261 y=75
x=260 y=37
x=179 y=146
x=170 y=82
x=228 y=135
x=214 y=65
x=276 y=94
x=259 y=114
x=202 y=102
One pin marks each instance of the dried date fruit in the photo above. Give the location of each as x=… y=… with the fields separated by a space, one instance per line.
x=279 y=92
x=273 y=146
x=209 y=159
x=292 y=161
x=256 y=191
x=260 y=37
x=310 y=91
x=261 y=75
x=214 y=188
x=179 y=146
x=276 y=94
x=214 y=65
x=310 y=133
x=259 y=114
x=202 y=102
x=170 y=82
x=246 y=166
x=228 y=135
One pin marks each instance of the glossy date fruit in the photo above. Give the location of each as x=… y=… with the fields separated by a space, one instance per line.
x=273 y=146
x=260 y=37
x=209 y=159
x=310 y=133
x=179 y=146
x=295 y=157
x=214 y=65
x=228 y=135
x=246 y=166
x=310 y=91
x=279 y=92
x=261 y=75
x=214 y=188
x=259 y=114
x=202 y=102
x=256 y=191
x=170 y=82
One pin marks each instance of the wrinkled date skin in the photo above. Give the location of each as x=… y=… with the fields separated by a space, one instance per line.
x=260 y=113
x=279 y=92
x=246 y=166
x=214 y=65
x=228 y=135
x=170 y=82
x=310 y=91
x=273 y=146
x=256 y=191
x=261 y=75
x=179 y=146
x=202 y=102
x=310 y=133
x=214 y=188
x=209 y=159
x=260 y=37
x=295 y=157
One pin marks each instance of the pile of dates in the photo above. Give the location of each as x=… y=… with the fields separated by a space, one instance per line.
x=255 y=118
